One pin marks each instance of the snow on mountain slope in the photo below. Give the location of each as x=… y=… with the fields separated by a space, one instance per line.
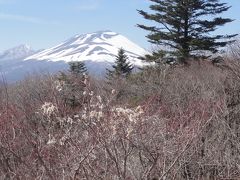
x=101 y=46
x=12 y=66
x=97 y=50
x=19 y=52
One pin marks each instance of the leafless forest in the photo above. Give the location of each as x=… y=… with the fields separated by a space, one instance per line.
x=167 y=122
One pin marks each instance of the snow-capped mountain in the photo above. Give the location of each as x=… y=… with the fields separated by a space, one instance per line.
x=19 y=52
x=97 y=50
x=101 y=46
x=11 y=62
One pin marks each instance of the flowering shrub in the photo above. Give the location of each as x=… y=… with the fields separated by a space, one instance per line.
x=48 y=109
x=185 y=127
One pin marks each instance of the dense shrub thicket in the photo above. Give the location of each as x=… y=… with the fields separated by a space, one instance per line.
x=165 y=122
x=179 y=121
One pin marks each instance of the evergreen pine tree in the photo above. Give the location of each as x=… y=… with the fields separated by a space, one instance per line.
x=184 y=28
x=73 y=83
x=121 y=68
x=77 y=67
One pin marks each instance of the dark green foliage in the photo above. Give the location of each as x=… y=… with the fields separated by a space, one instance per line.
x=72 y=84
x=77 y=67
x=72 y=87
x=184 y=28
x=122 y=68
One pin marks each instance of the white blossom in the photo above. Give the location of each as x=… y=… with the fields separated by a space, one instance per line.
x=113 y=91
x=129 y=131
x=48 y=109
x=84 y=116
x=99 y=98
x=139 y=110
x=93 y=114
x=59 y=85
x=100 y=114
x=51 y=140
x=131 y=115
x=91 y=93
x=64 y=138
x=69 y=120
x=85 y=81
x=76 y=116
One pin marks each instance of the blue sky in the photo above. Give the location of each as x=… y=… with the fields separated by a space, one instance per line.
x=45 y=23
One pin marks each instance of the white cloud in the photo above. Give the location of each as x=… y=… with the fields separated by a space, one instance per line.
x=22 y=18
x=87 y=5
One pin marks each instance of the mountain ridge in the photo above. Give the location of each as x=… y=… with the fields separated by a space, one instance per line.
x=17 y=52
x=100 y=46
x=98 y=50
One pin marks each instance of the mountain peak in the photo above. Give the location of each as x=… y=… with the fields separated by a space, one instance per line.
x=94 y=36
x=99 y=46
x=25 y=46
x=21 y=47
x=18 y=52
x=97 y=49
